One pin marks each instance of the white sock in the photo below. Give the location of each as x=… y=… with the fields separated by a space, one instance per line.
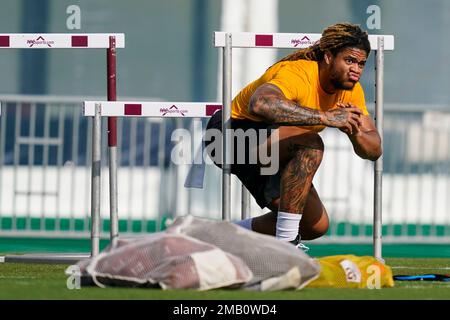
x=246 y=223
x=287 y=225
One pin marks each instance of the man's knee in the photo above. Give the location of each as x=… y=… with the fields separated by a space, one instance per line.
x=310 y=149
x=314 y=141
x=308 y=141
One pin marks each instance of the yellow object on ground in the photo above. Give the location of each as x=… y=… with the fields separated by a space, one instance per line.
x=349 y=271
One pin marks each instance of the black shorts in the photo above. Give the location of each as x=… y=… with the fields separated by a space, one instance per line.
x=263 y=188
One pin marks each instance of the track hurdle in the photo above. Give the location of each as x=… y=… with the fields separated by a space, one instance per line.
x=227 y=41
x=98 y=109
x=108 y=41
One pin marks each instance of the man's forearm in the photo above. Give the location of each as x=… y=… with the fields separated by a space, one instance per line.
x=269 y=103
x=367 y=144
x=285 y=112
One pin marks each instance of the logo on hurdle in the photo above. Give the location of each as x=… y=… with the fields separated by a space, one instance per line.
x=40 y=41
x=173 y=109
x=302 y=41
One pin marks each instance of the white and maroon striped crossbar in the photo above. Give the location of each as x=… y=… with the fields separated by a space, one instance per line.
x=285 y=40
x=152 y=109
x=59 y=40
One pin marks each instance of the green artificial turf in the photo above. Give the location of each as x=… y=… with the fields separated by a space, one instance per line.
x=42 y=281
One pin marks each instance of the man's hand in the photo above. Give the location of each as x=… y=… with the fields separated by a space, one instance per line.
x=365 y=139
x=346 y=118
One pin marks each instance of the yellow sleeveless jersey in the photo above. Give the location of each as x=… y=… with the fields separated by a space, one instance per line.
x=299 y=82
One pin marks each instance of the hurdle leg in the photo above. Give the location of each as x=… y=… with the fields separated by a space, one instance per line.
x=245 y=203
x=226 y=143
x=378 y=170
x=96 y=181
x=112 y=142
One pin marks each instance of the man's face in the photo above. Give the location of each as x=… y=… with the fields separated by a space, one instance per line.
x=346 y=68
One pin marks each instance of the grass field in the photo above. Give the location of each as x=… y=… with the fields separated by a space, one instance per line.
x=41 y=281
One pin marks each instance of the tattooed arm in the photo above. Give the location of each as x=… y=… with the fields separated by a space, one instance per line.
x=269 y=102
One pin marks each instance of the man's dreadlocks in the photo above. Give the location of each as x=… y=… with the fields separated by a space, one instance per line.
x=334 y=38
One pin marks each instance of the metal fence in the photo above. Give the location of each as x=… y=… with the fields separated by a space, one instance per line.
x=45 y=153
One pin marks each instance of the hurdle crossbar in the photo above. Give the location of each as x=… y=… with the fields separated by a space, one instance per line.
x=152 y=109
x=108 y=41
x=285 y=40
x=227 y=41
x=60 y=40
x=98 y=109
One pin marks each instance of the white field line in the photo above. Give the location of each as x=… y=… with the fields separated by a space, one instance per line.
x=17 y=277
x=426 y=268
x=435 y=285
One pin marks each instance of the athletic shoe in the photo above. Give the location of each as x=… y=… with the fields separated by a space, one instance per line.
x=297 y=242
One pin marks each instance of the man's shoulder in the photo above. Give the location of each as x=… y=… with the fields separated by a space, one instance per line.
x=301 y=64
x=300 y=68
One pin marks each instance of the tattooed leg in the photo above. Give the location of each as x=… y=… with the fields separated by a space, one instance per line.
x=297 y=175
x=296 y=143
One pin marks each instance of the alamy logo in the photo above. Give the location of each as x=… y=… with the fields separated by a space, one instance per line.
x=172 y=109
x=40 y=41
x=244 y=147
x=74 y=277
x=303 y=41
